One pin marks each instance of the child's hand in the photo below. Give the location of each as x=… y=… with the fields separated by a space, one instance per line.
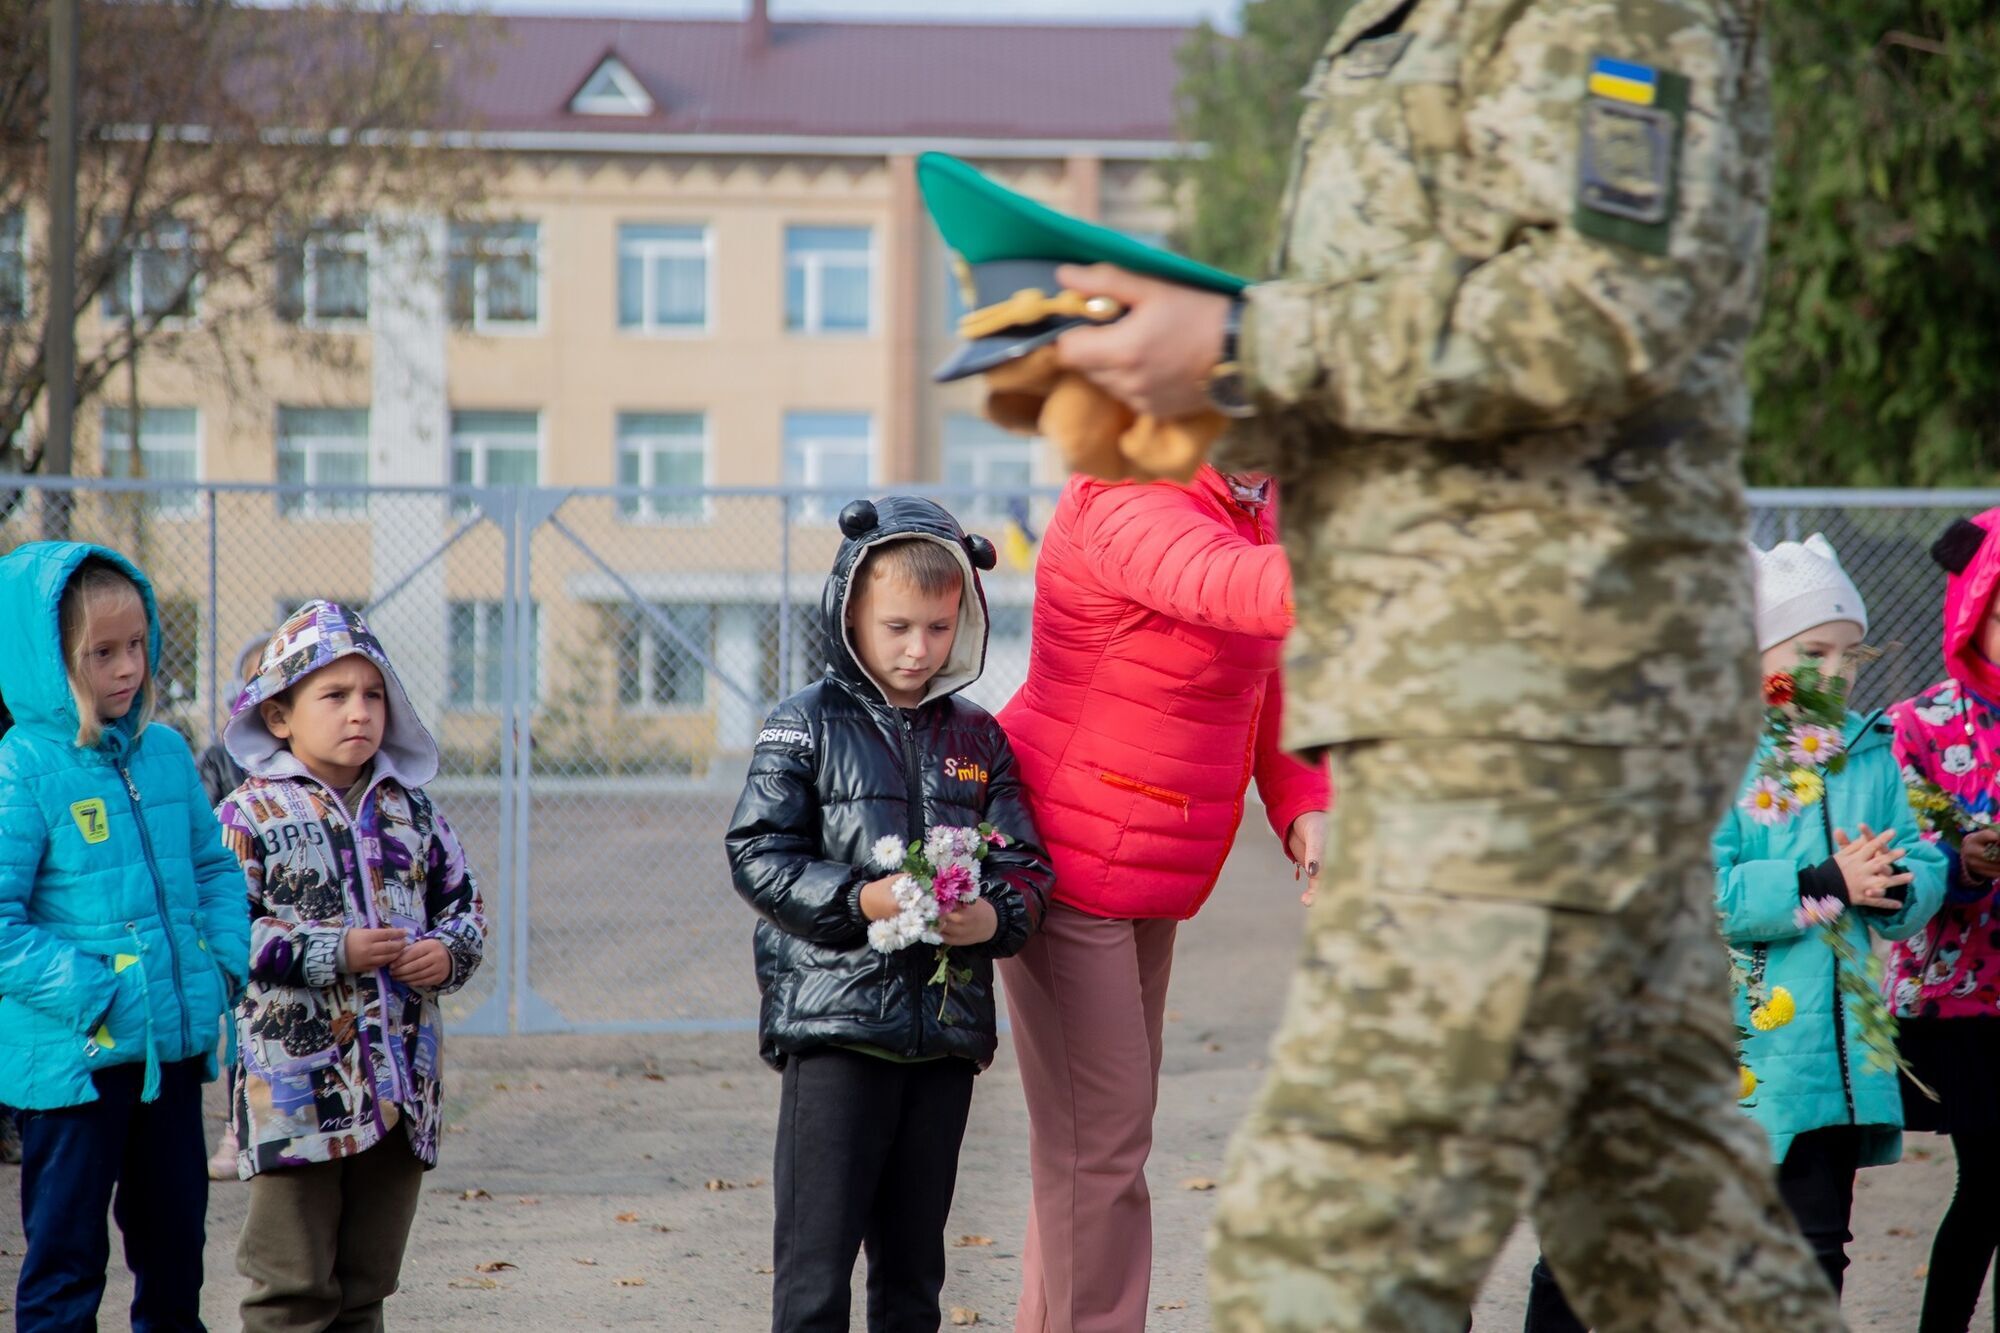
x=1980 y=854
x=974 y=923
x=1867 y=866
x=365 y=948
x=425 y=964
x=878 y=898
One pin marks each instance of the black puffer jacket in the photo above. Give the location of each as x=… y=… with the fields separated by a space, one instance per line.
x=836 y=768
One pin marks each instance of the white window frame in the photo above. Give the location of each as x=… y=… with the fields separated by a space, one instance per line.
x=341 y=508
x=649 y=325
x=185 y=506
x=631 y=99
x=481 y=445
x=17 y=250
x=128 y=277
x=489 y=620
x=650 y=636
x=815 y=264
x=464 y=245
x=812 y=450
x=649 y=448
x=314 y=242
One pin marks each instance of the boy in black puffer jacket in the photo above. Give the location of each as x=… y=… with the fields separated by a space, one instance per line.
x=878 y=1062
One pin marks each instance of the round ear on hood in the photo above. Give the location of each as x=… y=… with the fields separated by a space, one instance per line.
x=1960 y=542
x=980 y=551
x=859 y=518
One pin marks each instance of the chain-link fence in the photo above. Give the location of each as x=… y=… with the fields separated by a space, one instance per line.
x=595 y=664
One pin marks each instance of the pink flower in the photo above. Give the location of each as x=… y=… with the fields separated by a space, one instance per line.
x=1814 y=746
x=996 y=839
x=953 y=887
x=1818 y=912
x=1767 y=802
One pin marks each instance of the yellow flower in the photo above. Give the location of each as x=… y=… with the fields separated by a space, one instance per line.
x=1807 y=785
x=1774 y=1012
x=1749 y=1081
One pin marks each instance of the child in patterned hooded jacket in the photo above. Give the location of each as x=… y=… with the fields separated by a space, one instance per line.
x=362 y=914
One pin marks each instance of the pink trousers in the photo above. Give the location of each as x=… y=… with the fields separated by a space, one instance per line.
x=1087 y=998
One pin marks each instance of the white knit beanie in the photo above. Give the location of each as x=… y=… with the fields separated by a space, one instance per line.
x=1800 y=585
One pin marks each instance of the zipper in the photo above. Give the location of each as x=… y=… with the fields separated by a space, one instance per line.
x=1180 y=800
x=160 y=904
x=915 y=797
x=1839 y=1008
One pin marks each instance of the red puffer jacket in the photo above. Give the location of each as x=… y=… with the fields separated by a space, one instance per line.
x=1153 y=691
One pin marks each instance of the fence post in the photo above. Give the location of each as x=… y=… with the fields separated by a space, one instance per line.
x=784 y=672
x=214 y=629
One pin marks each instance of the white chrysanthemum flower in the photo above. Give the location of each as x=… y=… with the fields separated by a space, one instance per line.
x=888 y=852
x=883 y=936
x=931 y=937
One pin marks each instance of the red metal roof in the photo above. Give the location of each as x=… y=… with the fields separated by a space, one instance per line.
x=833 y=80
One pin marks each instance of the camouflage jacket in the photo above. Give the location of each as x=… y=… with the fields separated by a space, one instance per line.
x=1499 y=371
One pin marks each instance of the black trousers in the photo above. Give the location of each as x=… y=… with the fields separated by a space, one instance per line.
x=867 y=1156
x=1817 y=1182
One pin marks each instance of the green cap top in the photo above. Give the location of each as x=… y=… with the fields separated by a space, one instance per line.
x=1007 y=242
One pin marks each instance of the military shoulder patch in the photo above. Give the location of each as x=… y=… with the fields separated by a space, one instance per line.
x=1628 y=152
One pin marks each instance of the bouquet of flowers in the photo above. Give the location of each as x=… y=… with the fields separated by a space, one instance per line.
x=1858 y=977
x=1771 y=1007
x=1941 y=815
x=940 y=875
x=1805 y=715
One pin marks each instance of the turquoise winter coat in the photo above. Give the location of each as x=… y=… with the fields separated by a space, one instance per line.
x=1814 y=1071
x=105 y=854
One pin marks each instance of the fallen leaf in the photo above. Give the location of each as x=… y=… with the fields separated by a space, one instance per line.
x=661 y=1226
x=499 y=1087
x=1212 y=1047
x=473 y=1194
x=1197 y=1183
x=631 y=1282
x=475 y=1284
x=1923 y=1271
x=967 y=1242
x=587 y=1263
x=628 y=1217
x=719 y=1185
x=655 y=1078
x=763 y=1268
x=1171 y=1305
x=528 y=1199
x=963 y=1315
x=492 y=1266
x=726 y=1086
x=455 y=1129
x=1901 y=1231
x=753 y=1182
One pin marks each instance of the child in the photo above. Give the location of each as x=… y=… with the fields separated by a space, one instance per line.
x=877 y=1061
x=1945 y=983
x=1826 y=1106
x=362 y=914
x=122 y=939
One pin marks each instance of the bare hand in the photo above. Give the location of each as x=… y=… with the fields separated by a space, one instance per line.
x=1158 y=358
x=365 y=948
x=878 y=898
x=974 y=923
x=425 y=964
x=1305 y=843
x=1980 y=854
x=1867 y=866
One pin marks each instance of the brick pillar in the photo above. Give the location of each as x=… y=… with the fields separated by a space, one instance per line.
x=901 y=328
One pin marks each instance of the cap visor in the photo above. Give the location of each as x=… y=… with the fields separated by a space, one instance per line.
x=982 y=354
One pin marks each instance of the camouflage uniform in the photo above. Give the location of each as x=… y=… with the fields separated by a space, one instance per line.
x=1500 y=378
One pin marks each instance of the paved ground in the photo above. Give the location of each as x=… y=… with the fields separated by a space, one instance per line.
x=622 y=1180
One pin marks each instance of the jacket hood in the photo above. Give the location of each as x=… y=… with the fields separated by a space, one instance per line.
x=866 y=524
x=315 y=636
x=32 y=675
x=1970 y=554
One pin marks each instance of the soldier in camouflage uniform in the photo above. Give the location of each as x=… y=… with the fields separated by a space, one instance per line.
x=1499 y=377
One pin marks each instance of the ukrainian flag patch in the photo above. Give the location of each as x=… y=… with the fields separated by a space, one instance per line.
x=1623 y=81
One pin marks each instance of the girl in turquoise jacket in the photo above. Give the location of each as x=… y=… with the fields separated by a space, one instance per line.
x=124 y=935
x=1827 y=1101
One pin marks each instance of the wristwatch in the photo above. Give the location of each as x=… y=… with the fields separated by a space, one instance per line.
x=1227 y=393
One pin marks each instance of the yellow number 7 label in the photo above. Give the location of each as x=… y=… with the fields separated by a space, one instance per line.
x=91 y=820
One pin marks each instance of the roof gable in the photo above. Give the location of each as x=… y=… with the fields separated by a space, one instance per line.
x=612 y=90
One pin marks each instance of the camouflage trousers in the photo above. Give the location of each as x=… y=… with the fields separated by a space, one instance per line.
x=1513 y=995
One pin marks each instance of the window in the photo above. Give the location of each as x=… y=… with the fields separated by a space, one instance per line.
x=612 y=90
x=323 y=277
x=475 y=650
x=13 y=266
x=657 y=669
x=663 y=278
x=153 y=276
x=997 y=463
x=494 y=449
x=168 y=449
x=828 y=272
x=829 y=449
x=322 y=446
x=662 y=449
x=496 y=274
